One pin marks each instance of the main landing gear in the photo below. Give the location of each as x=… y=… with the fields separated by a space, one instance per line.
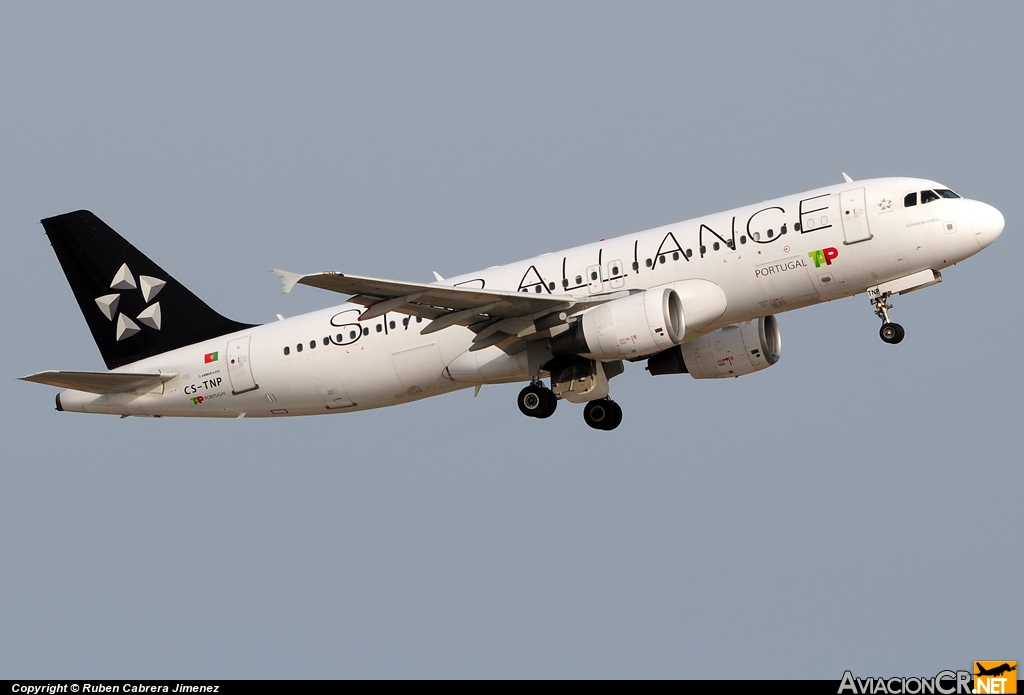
x=602 y=414
x=890 y=332
x=537 y=400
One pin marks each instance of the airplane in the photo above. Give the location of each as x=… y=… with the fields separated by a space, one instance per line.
x=698 y=297
x=995 y=671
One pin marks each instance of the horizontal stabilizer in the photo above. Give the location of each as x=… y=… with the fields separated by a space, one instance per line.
x=100 y=382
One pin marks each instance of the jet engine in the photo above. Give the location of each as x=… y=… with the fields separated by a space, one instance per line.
x=730 y=351
x=640 y=324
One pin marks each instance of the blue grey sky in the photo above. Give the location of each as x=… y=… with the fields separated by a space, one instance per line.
x=850 y=508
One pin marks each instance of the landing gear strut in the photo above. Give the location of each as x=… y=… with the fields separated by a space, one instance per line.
x=890 y=332
x=602 y=414
x=536 y=400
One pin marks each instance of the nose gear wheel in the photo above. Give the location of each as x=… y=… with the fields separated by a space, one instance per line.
x=890 y=332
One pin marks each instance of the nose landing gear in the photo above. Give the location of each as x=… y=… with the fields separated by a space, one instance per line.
x=890 y=332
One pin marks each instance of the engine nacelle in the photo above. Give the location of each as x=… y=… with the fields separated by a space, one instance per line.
x=730 y=351
x=640 y=324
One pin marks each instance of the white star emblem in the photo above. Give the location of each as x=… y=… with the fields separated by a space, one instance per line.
x=125 y=281
x=885 y=204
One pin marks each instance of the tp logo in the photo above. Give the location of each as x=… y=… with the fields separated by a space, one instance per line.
x=825 y=256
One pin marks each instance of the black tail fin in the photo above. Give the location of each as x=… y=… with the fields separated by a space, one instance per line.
x=134 y=309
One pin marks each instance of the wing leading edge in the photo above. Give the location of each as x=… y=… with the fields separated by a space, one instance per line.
x=371 y=291
x=493 y=314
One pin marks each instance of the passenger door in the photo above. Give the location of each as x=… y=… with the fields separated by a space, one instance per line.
x=239 y=369
x=855 y=216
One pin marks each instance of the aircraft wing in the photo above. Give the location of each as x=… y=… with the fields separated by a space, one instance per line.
x=371 y=291
x=498 y=317
x=100 y=382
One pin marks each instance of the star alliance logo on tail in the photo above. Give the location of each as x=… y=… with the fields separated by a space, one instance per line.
x=125 y=281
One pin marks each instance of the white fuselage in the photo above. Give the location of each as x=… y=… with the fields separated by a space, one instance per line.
x=790 y=252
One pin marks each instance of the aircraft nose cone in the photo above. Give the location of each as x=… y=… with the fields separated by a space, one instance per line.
x=988 y=224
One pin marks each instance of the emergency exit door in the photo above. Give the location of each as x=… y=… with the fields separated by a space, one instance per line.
x=855 y=216
x=239 y=369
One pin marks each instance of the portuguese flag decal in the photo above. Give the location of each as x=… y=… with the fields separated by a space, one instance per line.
x=210 y=357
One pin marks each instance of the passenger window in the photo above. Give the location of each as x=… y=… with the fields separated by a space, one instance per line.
x=405 y=321
x=579 y=279
x=351 y=335
x=661 y=258
x=379 y=328
x=636 y=266
x=703 y=250
x=298 y=348
x=911 y=200
x=565 y=283
x=593 y=275
x=366 y=330
x=615 y=270
x=538 y=289
x=551 y=286
x=649 y=262
x=715 y=246
x=287 y=350
x=689 y=253
x=312 y=344
x=928 y=196
x=392 y=325
x=675 y=255
x=419 y=319
x=327 y=341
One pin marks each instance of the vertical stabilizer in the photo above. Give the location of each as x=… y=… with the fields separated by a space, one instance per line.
x=132 y=306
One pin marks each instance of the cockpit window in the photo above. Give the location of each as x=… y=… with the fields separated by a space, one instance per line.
x=928 y=196
x=946 y=193
x=911 y=200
